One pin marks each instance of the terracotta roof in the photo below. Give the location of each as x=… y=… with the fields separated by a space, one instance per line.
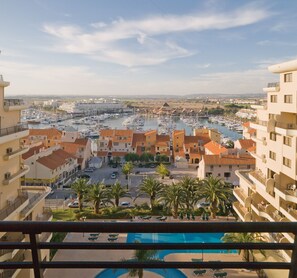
x=246 y=143
x=178 y=132
x=252 y=131
x=55 y=159
x=229 y=160
x=246 y=124
x=118 y=153
x=191 y=139
x=109 y=145
x=102 y=153
x=106 y=132
x=215 y=148
x=163 y=138
x=252 y=149
x=150 y=132
x=138 y=138
x=48 y=132
x=162 y=143
x=32 y=151
x=81 y=141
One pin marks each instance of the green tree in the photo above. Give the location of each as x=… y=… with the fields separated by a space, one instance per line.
x=131 y=157
x=117 y=191
x=162 y=171
x=146 y=157
x=230 y=144
x=172 y=198
x=162 y=158
x=151 y=187
x=244 y=238
x=80 y=187
x=127 y=169
x=98 y=194
x=142 y=256
x=117 y=160
x=216 y=192
x=190 y=194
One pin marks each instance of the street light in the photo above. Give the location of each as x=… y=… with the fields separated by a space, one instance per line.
x=202 y=252
x=83 y=219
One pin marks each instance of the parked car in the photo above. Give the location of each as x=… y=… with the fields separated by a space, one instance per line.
x=113 y=176
x=89 y=170
x=125 y=204
x=203 y=205
x=73 y=204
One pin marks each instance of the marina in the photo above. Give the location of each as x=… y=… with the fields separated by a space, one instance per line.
x=89 y=126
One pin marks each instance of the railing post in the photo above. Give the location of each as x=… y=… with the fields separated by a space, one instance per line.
x=293 y=270
x=36 y=257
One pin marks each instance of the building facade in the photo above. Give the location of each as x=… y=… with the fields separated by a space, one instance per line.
x=269 y=192
x=17 y=202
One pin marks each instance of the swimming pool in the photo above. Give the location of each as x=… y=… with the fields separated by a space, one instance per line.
x=179 y=238
x=166 y=273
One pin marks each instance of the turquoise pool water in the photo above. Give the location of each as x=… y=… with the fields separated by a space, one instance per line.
x=179 y=238
x=166 y=273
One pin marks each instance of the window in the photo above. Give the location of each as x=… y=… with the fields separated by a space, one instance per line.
x=227 y=174
x=273 y=98
x=287 y=162
x=211 y=167
x=115 y=143
x=273 y=136
x=272 y=155
x=288 y=77
x=208 y=174
x=287 y=141
x=230 y=167
x=288 y=99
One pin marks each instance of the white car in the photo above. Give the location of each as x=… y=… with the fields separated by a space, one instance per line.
x=73 y=204
x=125 y=204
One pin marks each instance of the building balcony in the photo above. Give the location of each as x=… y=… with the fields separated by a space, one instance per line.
x=8 y=254
x=34 y=199
x=289 y=195
x=286 y=129
x=244 y=175
x=12 y=206
x=15 y=153
x=288 y=211
x=13 y=133
x=46 y=215
x=258 y=178
x=13 y=177
x=14 y=104
x=242 y=197
x=272 y=87
x=34 y=228
x=242 y=212
x=259 y=125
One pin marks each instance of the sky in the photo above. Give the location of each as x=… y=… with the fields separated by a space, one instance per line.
x=144 y=47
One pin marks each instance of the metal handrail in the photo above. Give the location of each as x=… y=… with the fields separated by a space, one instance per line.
x=34 y=228
x=13 y=129
x=13 y=102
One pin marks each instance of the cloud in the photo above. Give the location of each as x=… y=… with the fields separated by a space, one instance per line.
x=146 y=37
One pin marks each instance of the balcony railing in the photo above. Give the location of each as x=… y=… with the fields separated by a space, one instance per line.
x=13 y=129
x=256 y=174
x=273 y=84
x=32 y=202
x=13 y=102
x=286 y=125
x=12 y=206
x=35 y=228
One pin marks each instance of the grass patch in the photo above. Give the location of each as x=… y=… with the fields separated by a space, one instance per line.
x=64 y=215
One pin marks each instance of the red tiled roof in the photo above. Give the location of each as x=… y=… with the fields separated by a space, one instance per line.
x=48 y=132
x=55 y=159
x=102 y=153
x=246 y=143
x=246 y=124
x=138 y=138
x=214 y=147
x=32 y=151
x=245 y=159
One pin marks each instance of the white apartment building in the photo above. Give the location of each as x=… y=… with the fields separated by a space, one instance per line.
x=269 y=192
x=17 y=202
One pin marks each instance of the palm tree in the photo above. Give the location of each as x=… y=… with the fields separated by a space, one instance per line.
x=244 y=238
x=151 y=187
x=190 y=194
x=162 y=170
x=216 y=192
x=127 y=169
x=142 y=256
x=80 y=187
x=117 y=191
x=172 y=197
x=98 y=194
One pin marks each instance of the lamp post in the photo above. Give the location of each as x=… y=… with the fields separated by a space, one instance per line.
x=202 y=252
x=83 y=219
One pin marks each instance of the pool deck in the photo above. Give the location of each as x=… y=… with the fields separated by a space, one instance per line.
x=117 y=255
